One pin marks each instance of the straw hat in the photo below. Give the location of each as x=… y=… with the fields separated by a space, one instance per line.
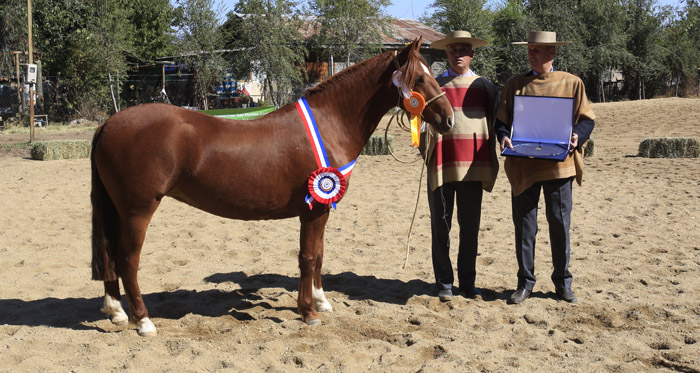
x=543 y=38
x=459 y=36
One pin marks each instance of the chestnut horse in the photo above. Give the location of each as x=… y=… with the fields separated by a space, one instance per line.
x=249 y=170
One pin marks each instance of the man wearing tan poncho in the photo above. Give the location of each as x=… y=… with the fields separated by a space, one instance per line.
x=462 y=163
x=528 y=176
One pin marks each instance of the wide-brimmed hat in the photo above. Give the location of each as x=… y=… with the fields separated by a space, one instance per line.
x=455 y=37
x=543 y=38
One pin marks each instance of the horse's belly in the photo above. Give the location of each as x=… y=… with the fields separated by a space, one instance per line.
x=237 y=204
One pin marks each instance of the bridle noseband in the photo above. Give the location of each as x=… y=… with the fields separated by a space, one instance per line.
x=427 y=102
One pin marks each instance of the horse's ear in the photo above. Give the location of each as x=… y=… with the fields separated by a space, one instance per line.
x=416 y=43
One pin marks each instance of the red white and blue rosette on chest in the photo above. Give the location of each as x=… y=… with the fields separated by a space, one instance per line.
x=327 y=184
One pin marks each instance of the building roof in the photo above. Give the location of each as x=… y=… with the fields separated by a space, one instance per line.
x=403 y=31
x=407 y=30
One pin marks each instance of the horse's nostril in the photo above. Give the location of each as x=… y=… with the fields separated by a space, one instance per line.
x=450 y=122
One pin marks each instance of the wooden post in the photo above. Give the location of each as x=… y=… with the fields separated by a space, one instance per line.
x=39 y=86
x=19 y=86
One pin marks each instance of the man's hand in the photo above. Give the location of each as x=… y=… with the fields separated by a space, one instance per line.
x=505 y=141
x=573 y=142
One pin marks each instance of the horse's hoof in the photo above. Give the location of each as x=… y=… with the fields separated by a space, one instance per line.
x=120 y=320
x=313 y=322
x=146 y=328
x=324 y=307
x=114 y=310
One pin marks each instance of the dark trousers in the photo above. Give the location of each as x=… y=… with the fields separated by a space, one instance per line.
x=557 y=198
x=441 y=202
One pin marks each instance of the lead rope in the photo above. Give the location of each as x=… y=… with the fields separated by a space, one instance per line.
x=402 y=125
x=415 y=208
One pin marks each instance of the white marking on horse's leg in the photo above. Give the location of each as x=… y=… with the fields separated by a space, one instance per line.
x=320 y=302
x=114 y=310
x=146 y=328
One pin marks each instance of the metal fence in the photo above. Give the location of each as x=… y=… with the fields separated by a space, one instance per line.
x=10 y=99
x=158 y=83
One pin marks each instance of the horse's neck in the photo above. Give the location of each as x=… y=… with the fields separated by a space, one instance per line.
x=360 y=105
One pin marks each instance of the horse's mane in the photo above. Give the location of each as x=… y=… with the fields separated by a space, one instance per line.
x=411 y=67
x=408 y=70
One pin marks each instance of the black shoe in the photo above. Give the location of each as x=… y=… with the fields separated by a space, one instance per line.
x=445 y=295
x=567 y=295
x=519 y=296
x=471 y=292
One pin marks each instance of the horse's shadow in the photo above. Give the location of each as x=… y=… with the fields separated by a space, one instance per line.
x=76 y=313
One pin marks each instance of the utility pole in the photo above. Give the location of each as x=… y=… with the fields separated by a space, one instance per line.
x=31 y=61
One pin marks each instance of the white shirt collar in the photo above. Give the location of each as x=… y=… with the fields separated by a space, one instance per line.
x=536 y=73
x=451 y=72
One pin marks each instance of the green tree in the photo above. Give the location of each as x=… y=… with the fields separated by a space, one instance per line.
x=604 y=42
x=565 y=18
x=510 y=23
x=153 y=35
x=681 y=36
x=473 y=16
x=645 y=70
x=269 y=41
x=352 y=29
x=110 y=44
x=13 y=33
x=199 y=43
x=81 y=45
x=85 y=48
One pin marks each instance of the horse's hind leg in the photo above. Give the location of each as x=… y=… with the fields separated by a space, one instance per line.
x=112 y=306
x=131 y=239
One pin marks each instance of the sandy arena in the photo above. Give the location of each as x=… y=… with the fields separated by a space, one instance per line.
x=222 y=293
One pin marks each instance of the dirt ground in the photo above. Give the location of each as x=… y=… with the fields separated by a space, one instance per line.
x=222 y=293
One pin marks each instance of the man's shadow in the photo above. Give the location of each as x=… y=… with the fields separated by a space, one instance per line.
x=74 y=313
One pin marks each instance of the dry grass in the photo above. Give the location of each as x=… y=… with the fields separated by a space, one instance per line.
x=378 y=145
x=60 y=149
x=670 y=147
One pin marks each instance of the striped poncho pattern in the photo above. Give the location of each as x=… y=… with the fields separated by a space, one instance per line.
x=468 y=151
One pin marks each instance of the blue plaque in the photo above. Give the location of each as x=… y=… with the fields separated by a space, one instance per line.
x=541 y=127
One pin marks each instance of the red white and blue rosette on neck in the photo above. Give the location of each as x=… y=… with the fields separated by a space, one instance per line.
x=327 y=184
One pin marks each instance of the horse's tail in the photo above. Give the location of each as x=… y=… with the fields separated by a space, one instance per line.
x=105 y=223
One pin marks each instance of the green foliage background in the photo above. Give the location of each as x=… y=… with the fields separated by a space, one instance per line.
x=87 y=49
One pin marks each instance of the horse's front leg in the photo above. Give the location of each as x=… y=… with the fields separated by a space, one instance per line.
x=319 y=297
x=310 y=260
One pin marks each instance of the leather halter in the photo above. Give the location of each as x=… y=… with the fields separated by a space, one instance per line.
x=427 y=102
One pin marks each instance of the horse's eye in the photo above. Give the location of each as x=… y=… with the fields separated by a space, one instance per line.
x=420 y=80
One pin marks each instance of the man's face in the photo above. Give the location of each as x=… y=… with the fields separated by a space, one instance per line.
x=459 y=55
x=540 y=57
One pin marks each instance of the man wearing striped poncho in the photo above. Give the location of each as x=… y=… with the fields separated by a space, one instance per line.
x=528 y=177
x=461 y=163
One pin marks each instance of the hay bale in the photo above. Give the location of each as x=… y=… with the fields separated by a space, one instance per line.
x=60 y=149
x=377 y=145
x=588 y=148
x=670 y=147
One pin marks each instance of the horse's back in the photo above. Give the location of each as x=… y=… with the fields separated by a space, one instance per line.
x=236 y=169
